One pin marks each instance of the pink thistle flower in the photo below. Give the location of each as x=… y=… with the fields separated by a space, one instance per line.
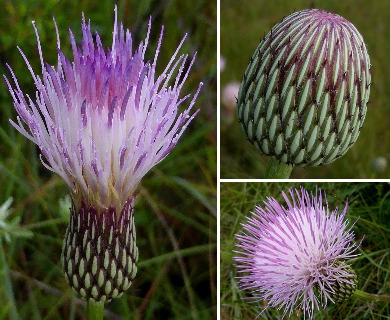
x=294 y=256
x=304 y=95
x=101 y=123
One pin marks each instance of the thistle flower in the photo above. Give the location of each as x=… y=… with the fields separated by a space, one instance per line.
x=229 y=100
x=229 y=95
x=304 y=95
x=101 y=123
x=295 y=256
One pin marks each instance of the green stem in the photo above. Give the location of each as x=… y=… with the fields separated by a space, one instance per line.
x=370 y=296
x=95 y=310
x=278 y=170
x=6 y=279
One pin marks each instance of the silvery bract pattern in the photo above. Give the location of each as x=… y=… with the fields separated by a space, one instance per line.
x=295 y=256
x=101 y=123
x=304 y=95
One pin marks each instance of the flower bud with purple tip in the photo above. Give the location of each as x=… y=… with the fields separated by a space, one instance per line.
x=304 y=95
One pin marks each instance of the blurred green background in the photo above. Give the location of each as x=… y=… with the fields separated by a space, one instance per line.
x=370 y=202
x=175 y=210
x=245 y=23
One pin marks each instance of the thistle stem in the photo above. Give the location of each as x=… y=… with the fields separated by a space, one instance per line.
x=370 y=296
x=95 y=310
x=278 y=170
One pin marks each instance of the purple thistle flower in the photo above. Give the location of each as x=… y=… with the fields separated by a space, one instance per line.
x=293 y=256
x=101 y=123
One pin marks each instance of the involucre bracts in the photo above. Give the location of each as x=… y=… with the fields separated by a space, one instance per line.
x=304 y=95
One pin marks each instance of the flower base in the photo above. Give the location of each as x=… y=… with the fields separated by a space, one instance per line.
x=99 y=253
x=344 y=289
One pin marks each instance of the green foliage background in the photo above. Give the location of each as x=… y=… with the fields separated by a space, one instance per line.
x=175 y=210
x=370 y=202
x=245 y=23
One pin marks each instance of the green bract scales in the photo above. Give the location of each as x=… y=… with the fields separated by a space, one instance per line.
x=342 y=290
x=304 y=95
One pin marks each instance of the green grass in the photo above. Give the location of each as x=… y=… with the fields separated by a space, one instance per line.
x=175 y=209
x=244 y=23
x=370 y=202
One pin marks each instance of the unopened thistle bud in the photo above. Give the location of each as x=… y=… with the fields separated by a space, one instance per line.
x=304 y=95
x=344 y=285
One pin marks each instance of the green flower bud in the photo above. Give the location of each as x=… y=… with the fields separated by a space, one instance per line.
x=304 y=95
x=342 y=282
x=99 y=253
x=347 y=285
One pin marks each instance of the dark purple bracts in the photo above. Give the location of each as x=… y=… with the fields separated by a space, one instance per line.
x=99 y=253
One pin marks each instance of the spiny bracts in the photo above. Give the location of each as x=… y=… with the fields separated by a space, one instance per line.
x=344 y=285
x=99 y=253
x=304 y=95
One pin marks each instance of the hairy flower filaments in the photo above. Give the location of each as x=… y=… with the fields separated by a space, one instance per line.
x=295 y=256
x=101 y=123
x=304 y=95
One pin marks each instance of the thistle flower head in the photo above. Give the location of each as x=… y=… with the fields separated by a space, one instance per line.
x=294 y=256
x=304 y=95
x=101 y=123
x=105 y=119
